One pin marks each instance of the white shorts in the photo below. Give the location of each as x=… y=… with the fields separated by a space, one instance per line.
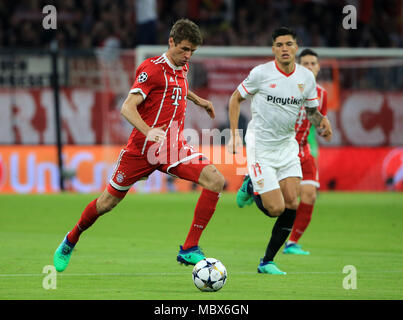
x=267 y=167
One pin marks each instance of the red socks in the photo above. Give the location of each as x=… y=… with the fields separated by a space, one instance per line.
x=304 y=215
x=204 y=210
x=88 y=217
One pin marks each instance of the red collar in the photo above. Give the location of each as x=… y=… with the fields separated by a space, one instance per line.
x=286 y=74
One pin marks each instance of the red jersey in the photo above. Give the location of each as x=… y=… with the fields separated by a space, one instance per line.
x=164 y=88
x=303 y=125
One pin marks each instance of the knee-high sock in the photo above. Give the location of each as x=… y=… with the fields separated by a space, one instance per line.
x=280 y=232
x=87 y=218
x=302 y=220
x=204 y=210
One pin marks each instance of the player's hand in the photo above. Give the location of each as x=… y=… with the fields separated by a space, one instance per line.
x=208 y=106
x=235 y=144
x=325 y=129
x=156 y=134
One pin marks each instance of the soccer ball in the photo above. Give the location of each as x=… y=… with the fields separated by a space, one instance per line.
x=209 y=275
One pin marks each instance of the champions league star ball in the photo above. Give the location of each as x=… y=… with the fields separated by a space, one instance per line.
x=209 y=275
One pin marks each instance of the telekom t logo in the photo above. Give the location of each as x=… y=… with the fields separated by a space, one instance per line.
x=176 y=95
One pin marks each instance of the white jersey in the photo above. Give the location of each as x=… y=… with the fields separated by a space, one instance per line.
x=276 y=99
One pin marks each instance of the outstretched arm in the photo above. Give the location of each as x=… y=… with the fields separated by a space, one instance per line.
x=205 y=104
x=321 y=123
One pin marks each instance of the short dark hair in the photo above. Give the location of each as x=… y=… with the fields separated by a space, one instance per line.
x=184 y=29
x=308 y=52
x=283 y=31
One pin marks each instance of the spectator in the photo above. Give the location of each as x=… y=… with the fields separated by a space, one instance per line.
x=146 y=20
x=224 y=22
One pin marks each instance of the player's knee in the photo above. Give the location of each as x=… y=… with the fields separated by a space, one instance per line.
x=293 y=205
x=274 y=210
x=217 y=182
x=310 y=197
x=212 y=180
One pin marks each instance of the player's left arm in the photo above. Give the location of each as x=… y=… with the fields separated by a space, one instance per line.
x=321 y=123
x=205 y=104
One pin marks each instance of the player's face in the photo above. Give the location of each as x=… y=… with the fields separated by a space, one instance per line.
x=284 y=49
x=181 y=52
x=311 y=62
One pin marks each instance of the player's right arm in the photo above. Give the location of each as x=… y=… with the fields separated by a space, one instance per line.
x=247 y=88
x=146 y=80
x=234 y=111
x=130 y=113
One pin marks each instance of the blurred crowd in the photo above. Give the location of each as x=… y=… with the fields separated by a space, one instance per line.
x=83 y=24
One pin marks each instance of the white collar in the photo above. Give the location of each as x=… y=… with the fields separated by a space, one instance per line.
x=169 y=62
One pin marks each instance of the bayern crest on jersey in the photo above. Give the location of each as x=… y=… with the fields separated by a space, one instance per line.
x=120 y=176
x=142 y=77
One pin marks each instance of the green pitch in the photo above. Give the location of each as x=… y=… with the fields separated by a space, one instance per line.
x=130 y=253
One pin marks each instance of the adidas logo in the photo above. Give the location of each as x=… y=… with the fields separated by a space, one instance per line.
x=171 y=79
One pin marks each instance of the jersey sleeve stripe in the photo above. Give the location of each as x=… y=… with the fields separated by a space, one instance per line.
x=138 y=90
x=312 y=99
x=245 y=89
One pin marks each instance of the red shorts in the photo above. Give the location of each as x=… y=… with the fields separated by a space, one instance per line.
x=132 y=167
x=310 y=174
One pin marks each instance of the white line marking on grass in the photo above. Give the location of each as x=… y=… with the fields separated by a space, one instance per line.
x=96 y=274
x=151 y=274
x=326 y=272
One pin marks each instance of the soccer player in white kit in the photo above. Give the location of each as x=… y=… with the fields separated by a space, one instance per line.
x=277 y=90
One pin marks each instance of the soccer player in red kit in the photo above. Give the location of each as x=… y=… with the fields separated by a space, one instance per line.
x=310 y=176
x=156 y=107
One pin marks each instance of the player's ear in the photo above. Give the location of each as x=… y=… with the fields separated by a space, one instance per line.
x=171 y=42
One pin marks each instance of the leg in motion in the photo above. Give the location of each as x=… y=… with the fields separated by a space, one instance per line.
x=302 y=220
x=212 y=182
x=106 y=202
x=283 y=225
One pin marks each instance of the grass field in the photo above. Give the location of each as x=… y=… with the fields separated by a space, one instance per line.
x=130 y=253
